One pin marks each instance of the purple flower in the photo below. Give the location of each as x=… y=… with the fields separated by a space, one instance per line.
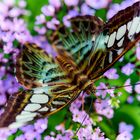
x=111 y=74
x=40 y=19
x=40 y=125
x=124 y=136
x=49 y=138
x=21 y=137
x=71 y=13
x=86 y=10
x=98 y=135
x=48 y=10
x=3 y=10
x=71 y=2
x=52 y=24
x=55 y=3
x=138 y=52
x=40 y=30
x=60 y=127
x=9 y=3
x=88 y=133
x=85 y=133
x=137 y=87
x=3 y=99
x=125 y=127
x=78 y=102
x=97 y=4
x=127 y=86
x=67 y=136
x=101 y=90
x=8 y=37
x=102 y=107
x=138 y=97
x=2 y=72
x=27 y=128
x=116 y=7
x=125 y=131
x=15 y=12
x=5 y=133
x=130 y=99
x=8 y=48
x=128 y=69
x=78 y=116
x=22 y=3
x=30 y=135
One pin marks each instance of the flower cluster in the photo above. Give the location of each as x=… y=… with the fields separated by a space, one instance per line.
x=125 y=131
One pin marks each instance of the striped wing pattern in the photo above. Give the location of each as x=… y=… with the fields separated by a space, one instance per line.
x=35 y=68
x=85 y=52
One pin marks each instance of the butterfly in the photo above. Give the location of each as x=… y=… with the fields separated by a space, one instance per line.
x=84 y=52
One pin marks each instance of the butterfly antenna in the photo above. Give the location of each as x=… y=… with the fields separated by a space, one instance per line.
x=84 y=118
x=117 y=87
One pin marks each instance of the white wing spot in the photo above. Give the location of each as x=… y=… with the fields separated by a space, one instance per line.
x=93 y=38
x=120 y=51
x=58 y=102
x=133 y=27
x=138 y=29
x=28 y=113
x=44 y=109
x=39 y=98
x=32 y=107
x=121 y=32
x=52 y=109
x=24 y=119
x=129 y=25
x=16 y=125
x=110 y=56
x=106 y=39
x=120 y=43
x=111 y=40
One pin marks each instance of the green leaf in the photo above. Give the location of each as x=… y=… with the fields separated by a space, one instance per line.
x=101 y=13
x=7 y=56
x=117 y=1
x=35 y=8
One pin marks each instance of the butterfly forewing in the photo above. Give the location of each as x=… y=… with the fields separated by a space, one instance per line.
x=118 y=36
x=35 y=68
x=50 y=87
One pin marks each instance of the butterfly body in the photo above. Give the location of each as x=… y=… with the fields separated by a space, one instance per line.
x=84 y=53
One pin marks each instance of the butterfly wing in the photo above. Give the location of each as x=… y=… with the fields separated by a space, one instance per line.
x=78 y=41
x=24 y=107
x=50 y=88
x=117 y=37
x=35 y=68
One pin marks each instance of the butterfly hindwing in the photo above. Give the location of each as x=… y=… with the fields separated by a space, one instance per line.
x=26 y=106
x=78 y=41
